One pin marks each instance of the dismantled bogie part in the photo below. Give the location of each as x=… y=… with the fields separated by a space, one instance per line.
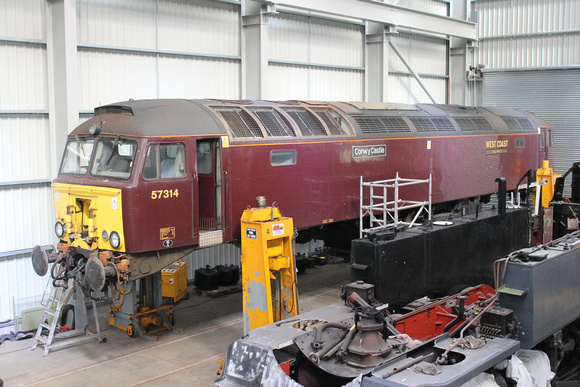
x=90 y=268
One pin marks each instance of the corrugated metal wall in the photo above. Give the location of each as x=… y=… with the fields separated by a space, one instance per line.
x=25 y=194
x=531 y=53
x=157 y=49
x=428 y=57
x=553 y=95
x=528 y=33
x=212 y=256
x=315 y=59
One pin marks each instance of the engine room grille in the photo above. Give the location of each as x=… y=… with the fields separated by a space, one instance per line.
x=241 y=124
x=381 y=124
x=518 y=124
x=307 y=122
x=433 y=124
x=473 y=124
x=274 y=123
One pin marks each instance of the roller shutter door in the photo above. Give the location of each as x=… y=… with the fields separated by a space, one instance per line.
x=552 y=94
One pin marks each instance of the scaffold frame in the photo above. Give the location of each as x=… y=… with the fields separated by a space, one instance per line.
x=379 y=204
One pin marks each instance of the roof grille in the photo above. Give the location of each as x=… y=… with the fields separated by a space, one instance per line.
x=518 y=124
x=382 y=124
x=274 y=123
x=433 y=124
x=241 y=124
x=334 y=122
x=307 y=122
x=473 y=124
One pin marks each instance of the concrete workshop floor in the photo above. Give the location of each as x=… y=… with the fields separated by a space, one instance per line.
x=209 y=324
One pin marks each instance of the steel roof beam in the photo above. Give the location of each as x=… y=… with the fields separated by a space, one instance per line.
x=369 y=10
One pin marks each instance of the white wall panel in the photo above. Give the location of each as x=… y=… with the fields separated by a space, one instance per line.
x=23 y=77
x=528 y=33
x=202 y=26
x=302 y=39
x=287 y=82
x=507 y=17
x=336 y=43
x=18 y=282
x=532 y=51
x=24 y=149
x=106 y=77
x=186 y=77
x=425 y=55
x=330 y=54
x=25 y=209
x=288 y=37
x=177 y=26
x=314 y=83
x=336 y=85
x=26 y=217
x=120 y=23
x=23 y=19
x=405 y=89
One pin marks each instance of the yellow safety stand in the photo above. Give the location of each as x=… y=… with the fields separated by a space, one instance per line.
x=268 y=267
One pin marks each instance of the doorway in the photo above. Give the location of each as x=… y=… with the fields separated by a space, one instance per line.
x=209 y=185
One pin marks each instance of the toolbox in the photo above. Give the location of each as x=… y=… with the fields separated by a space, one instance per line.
x=174 y=281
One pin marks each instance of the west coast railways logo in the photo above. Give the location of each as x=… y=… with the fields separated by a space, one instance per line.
x=496 y=147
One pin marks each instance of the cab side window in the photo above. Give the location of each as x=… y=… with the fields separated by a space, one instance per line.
x=164 y=161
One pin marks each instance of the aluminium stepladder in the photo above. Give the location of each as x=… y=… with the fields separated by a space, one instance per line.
x=46 y=333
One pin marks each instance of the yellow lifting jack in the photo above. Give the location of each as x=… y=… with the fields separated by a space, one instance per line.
x=268 y=267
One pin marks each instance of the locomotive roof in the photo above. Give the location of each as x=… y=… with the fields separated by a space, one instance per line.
x=181 y=117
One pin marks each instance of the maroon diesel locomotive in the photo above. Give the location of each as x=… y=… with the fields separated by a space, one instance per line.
x=157 y=178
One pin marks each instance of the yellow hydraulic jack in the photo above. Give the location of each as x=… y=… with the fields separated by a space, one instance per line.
x=547 y=179
x=268 y=268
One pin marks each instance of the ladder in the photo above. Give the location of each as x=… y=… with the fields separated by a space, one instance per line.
x=59 y=296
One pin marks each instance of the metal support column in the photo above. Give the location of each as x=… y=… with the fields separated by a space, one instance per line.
x=61 y=44
x=255 y=49
x=377 y=62
x=458 y=56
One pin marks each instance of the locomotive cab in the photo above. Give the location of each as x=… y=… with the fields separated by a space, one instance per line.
x=167 y=178
x=137 y=201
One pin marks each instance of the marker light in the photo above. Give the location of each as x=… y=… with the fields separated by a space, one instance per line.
x=59 y=229
x=115 y=240
x=105 y=235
